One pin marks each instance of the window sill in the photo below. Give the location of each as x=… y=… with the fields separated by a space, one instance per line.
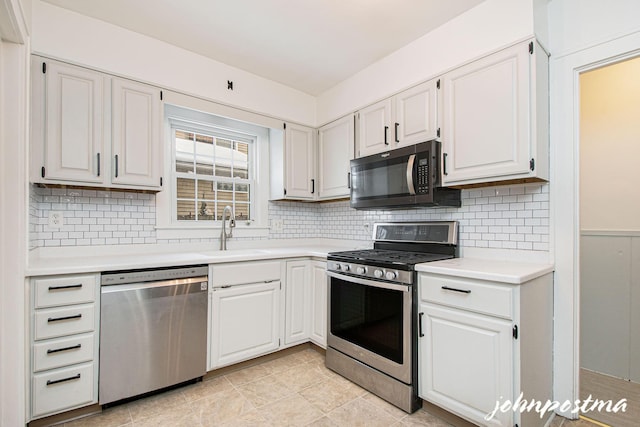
x=208 y=232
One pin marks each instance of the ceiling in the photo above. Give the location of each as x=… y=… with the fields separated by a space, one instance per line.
x=309 y=45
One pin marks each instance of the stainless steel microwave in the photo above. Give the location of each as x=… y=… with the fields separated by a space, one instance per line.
x=399 y=179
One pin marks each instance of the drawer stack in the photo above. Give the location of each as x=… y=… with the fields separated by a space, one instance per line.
x=64 y=343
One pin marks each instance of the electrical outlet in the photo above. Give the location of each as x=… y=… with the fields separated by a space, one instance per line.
x=277 y=225
x=56 y=219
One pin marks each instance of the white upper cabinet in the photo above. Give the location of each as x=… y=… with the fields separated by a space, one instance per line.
x=72 y=100
x=92 y=129
x=373 y=128
x=495 y=118
x=335 y=150
x=407 y=118
x=415 y=112
x=135 y=134
x=292 y=152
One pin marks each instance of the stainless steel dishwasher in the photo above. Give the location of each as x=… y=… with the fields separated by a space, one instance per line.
x=153 y=330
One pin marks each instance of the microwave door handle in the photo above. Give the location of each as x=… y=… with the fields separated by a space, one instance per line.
x=412 y=189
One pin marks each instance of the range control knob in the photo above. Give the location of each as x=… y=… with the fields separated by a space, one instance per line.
x=390 y=275
x=346 y=267
x=337 y=266
x=378 y=273
x=361 y=270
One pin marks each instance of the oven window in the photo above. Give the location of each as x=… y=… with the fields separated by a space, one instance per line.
x=368 y=316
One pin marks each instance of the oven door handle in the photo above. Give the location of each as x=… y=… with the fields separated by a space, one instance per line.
x=412 y=189
x=367 y=282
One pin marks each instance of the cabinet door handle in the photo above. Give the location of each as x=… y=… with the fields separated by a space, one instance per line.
x=349 y=180
x=313 y=186
x=61 y=288
x=420 y=334
x=116 y=165
x=397 y=124
x=75 y=377
x=444 y=164
x=98 y=164
x=58 y=319
x=463 y=291
x=58 y=350
x=386 y=130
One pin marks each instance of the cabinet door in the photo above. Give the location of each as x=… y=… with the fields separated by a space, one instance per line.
x=486 y=117
x=244 y=322
x=319 y=290
x=298 y=302
x=300 y=162
x=335 y=150
x=374 y=133
x=74 y=131
x=416 y=114
x=135 y=135
x=466 y=363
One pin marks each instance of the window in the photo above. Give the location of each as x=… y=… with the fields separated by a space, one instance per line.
x=212 y=170
x=211 y=161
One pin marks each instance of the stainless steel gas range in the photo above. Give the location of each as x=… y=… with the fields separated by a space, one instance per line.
x=373 y=320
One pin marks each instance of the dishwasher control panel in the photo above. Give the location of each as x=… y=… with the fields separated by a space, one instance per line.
x=152 y=275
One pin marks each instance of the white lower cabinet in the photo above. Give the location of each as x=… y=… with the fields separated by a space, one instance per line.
x=484 y=343
x=298 y=289
x=64 y=343
x=245 y=322
x=54 y=391
x=260 y=307
x=245 y=311
x=467 y=362
x=319 y=293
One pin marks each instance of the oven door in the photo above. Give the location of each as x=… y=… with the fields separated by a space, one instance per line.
x=371 y=322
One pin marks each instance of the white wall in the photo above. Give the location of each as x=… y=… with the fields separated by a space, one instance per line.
x=610 y=147
x=60 y=33
x=580 y=24
x=13 y=220
x=489 y=26
x=582 y=35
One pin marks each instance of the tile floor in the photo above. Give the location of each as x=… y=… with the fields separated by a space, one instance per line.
x=294 y=390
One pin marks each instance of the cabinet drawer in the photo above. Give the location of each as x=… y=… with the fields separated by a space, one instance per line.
x=55 y=391
x=63 y=352
x=245 y=272
x=58 y=322
x=67 y=290
x=482 y=297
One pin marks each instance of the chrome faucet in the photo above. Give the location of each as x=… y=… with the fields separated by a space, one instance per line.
x=223 y=232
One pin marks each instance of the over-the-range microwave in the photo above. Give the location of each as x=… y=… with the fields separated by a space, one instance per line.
x=400 y=179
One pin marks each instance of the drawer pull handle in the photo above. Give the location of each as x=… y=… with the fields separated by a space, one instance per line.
x=420 y=334
x=464 y=291
x=57 y=319
x=57 y=350
x=60 y=288
x=75 y=377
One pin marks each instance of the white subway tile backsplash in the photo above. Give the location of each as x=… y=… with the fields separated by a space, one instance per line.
x=505 y=217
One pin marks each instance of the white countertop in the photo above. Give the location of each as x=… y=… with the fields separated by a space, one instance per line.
x=99 y=259
x=485 y=269
x=93 y=260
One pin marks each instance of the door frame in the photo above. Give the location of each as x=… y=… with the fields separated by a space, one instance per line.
x=565 y=192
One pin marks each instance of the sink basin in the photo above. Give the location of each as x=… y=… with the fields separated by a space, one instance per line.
x=236 y=252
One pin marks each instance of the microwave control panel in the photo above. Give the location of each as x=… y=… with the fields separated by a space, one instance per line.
x=423 y=176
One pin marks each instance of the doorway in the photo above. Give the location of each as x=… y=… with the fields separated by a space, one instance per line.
x=609 y=148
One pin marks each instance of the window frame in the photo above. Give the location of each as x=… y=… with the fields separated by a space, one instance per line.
x=250 y=140
x=167 y=225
